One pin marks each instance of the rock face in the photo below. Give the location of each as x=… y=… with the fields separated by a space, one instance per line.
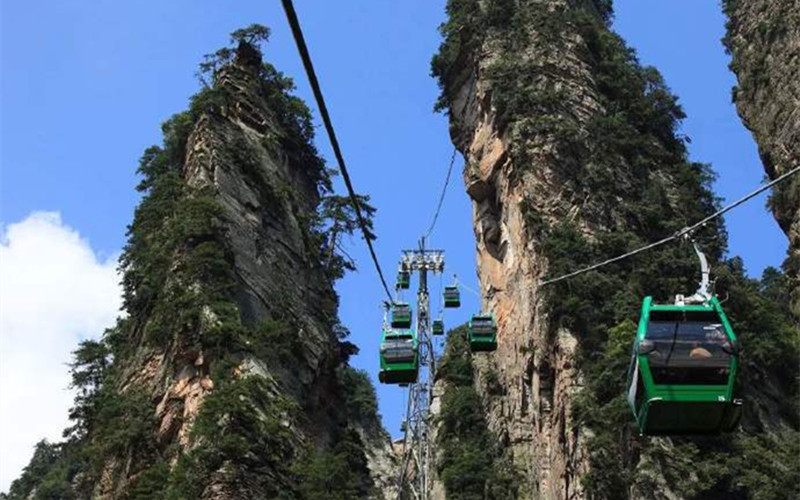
x=573 y=156
x=764 y=41
x=266 y=199
x=533 y=416
x=229 y=378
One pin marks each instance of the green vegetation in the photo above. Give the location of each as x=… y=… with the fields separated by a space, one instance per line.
x=338 y=474
x=242 y=427
x=628 y=169
x=337 y=218
x=106 y=423
x=245 y=434
x=359 y=397
x=770 y=36
x=175 y=241
x=45 y=473
x=471 y=463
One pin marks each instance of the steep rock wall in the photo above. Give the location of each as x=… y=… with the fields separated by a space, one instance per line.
x=763 y=38
x=511 y=172
x=536 y=373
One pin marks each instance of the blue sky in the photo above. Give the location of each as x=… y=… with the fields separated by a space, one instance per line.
x=84 y=86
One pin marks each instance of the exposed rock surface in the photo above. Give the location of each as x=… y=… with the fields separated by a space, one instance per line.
x=267 y=199
x=764 y=41
x=533 y=414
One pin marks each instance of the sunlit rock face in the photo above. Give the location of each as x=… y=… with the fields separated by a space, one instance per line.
x=532 y=415
x=268 y=196
x=763 y=38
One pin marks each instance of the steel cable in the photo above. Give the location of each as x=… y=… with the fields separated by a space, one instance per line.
x=297 y=33
x=441 y=197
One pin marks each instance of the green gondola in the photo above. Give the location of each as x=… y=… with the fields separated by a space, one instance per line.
x=683 y=370
x=452 y=297
x=482 y=330
x=438 y=327
x=403 y=280
x=399 y=357
x=401 y=315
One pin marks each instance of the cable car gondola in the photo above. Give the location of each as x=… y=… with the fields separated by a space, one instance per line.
x=438 y=327
x=401 y=315
x=482 y=330
x=683 y=367
x=403 y=280
x=452 y=296
x=399 y=357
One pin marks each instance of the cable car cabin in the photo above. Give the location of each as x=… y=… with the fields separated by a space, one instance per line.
x=401 y=315
x=482 y=331
x=403 y=280
x=683 y=370
x=438 y=327
x=399 y=357
x=452 y=297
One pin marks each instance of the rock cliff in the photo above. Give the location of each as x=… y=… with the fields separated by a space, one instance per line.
x=764 y=41
x=572 y=156
x=228 y=378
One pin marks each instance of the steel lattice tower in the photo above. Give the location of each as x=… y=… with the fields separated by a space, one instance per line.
x=414 y=478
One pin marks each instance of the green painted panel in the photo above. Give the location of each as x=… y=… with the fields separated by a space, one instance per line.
x=683 y=408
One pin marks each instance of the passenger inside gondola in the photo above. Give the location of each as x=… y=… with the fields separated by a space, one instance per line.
x=687 y=348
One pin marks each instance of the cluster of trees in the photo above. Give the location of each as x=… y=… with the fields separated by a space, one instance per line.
x=471 y=463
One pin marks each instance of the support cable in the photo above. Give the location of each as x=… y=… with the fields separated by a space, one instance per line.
x=683 y=232
x=465 y=287
x=297 y=33
x=441 y=197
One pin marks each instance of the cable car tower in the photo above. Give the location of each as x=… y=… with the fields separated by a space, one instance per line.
x=414 y=480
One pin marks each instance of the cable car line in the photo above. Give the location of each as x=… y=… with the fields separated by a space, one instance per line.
x=297 y=33
x=441 y=197
x=407 y=348
x=682 y=233
x=465 y=287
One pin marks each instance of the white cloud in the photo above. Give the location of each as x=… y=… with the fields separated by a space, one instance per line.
x=54 y=292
